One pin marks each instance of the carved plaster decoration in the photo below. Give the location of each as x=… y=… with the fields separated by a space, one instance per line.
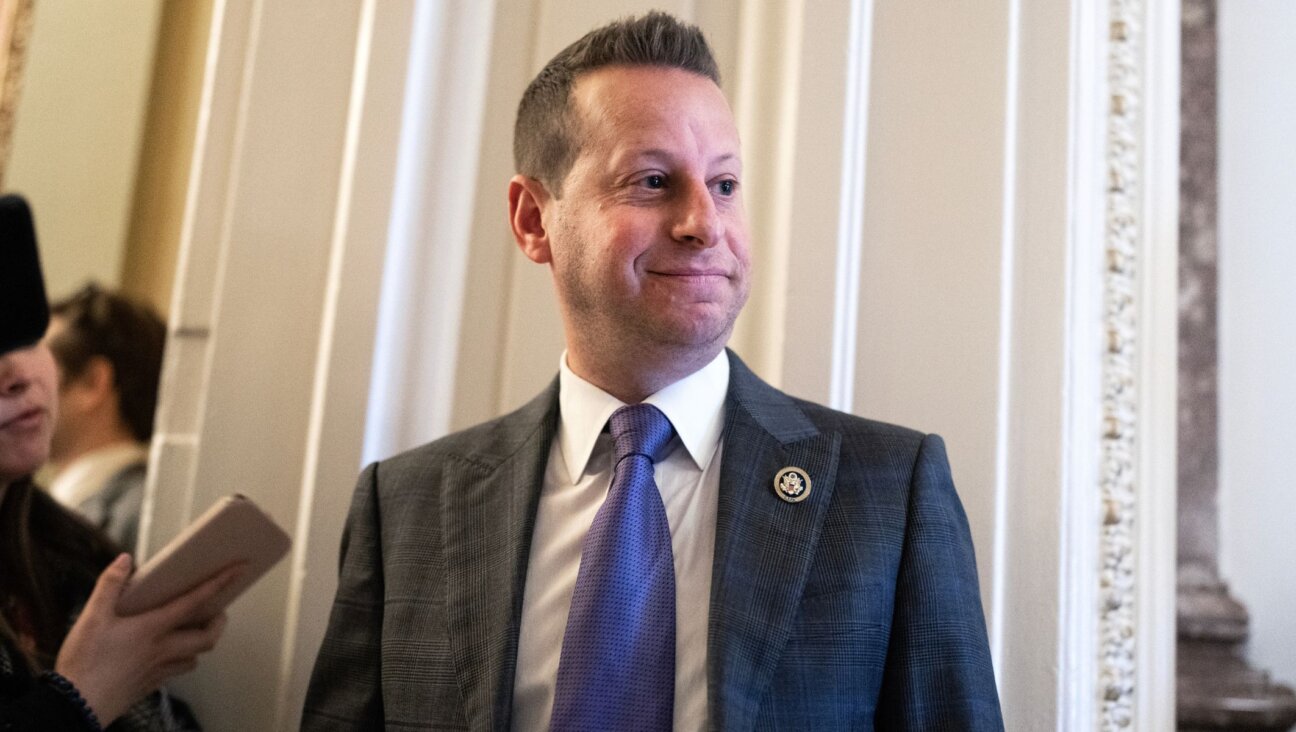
x=15 y=31
x=1117 y=619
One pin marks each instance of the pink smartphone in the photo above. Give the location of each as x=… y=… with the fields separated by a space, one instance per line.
x=233 y=530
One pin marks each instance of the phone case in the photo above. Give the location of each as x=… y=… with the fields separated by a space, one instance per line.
x=233 y=530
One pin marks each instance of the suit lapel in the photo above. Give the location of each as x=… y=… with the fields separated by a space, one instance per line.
x=764 y=545
x=489 y=501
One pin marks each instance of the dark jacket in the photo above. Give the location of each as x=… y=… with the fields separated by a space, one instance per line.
x=856 y=608
x=32 y=702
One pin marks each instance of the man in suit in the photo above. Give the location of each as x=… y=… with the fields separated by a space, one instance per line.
x=818 y=570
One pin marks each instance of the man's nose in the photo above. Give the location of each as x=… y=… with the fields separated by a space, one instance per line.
x=698 y=222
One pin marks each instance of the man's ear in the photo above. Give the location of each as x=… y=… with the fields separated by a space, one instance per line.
x=98 y=379
x=95 y=384
x=528 y=198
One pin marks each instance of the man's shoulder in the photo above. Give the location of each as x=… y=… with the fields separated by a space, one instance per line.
x=486 y=444
x=770 y=405
x=126 y=484
x=865 y=439
x=827 y=418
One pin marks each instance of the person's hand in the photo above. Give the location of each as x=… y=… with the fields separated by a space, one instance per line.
x=115 y=660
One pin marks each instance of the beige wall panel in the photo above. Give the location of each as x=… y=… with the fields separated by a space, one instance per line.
x=157 y=214
x=763 y=89
x=826 y=200
x=929 y=309
x=489 y=298
x=1033 y=509
x=77 y=137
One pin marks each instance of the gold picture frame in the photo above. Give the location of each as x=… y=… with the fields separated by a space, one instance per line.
x=15 y=31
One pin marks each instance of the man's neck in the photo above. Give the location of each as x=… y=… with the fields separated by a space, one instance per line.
x=634 y=377
x=88 y=444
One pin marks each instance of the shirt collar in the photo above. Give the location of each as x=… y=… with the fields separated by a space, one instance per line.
x=694 y=405
x=88 y=474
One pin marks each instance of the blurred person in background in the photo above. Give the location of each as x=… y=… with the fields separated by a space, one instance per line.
x=108 y=349
x=68 y=660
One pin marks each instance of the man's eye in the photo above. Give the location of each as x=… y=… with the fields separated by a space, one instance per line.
x=655 y=181
x=727 y=187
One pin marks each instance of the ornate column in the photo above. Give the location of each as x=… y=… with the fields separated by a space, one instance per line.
x=1217 y=689
x=15 y=30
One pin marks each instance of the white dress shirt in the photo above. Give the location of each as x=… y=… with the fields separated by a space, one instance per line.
x=576 y=482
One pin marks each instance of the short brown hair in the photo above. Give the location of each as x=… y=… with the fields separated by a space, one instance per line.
x=129 y=334
x=545 y=137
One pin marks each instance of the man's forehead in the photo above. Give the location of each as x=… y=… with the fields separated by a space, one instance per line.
x=664 y=83
x=633 y=104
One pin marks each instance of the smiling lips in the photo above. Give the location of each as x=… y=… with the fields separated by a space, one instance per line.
x=691 y=274
x=692 y=283
x=705 y=284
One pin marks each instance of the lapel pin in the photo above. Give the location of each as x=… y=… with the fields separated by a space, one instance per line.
x=792 y=484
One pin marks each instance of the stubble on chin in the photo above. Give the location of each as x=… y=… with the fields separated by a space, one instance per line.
x=658 y=342
x=606 y=330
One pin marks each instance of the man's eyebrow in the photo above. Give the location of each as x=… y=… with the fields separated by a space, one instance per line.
x=663 y=154
x=647 y=152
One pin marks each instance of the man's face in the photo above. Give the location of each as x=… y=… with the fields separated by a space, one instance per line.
x=648 y=243
x=28 y=406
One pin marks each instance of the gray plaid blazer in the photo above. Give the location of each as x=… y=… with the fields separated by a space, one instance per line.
x=857 y=608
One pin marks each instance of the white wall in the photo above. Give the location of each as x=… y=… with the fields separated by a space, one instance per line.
x=1257 y=320
x=77 y=137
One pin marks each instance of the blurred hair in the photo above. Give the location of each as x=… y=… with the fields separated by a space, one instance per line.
x=49 y=559
x=129 y=334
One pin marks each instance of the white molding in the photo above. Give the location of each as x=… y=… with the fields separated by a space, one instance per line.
x=1078 y=681
x=1157 y=344
x=288 y=706
x=1127 y=427
x=412 y=388
x=826 y=228
x=850 y=225
x=285 y=219
x=204 y=238
x=765 y=89
x=335 y=424
x=1003 y=417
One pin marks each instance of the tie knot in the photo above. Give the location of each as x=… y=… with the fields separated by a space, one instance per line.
x=640 y=429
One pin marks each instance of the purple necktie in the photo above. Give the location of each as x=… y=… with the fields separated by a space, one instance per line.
x=617 y=670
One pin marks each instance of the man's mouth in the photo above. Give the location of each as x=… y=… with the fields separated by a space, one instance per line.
x=693 y=274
